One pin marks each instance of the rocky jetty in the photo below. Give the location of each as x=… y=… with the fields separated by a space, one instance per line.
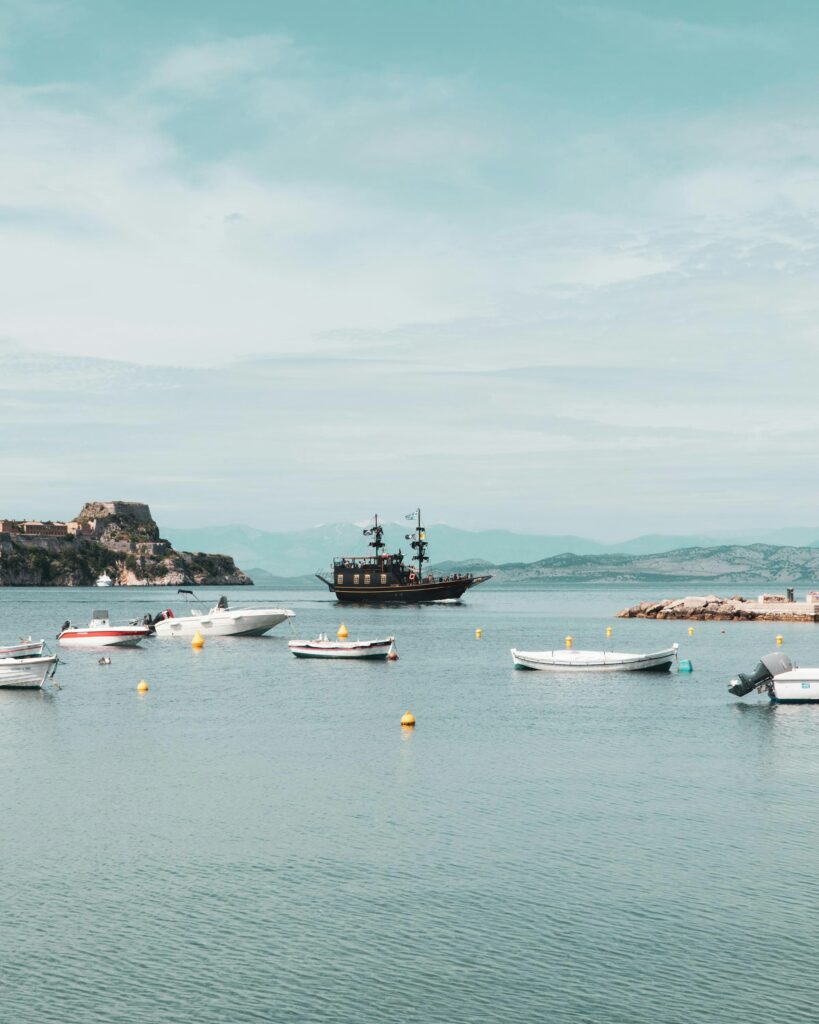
x=721 y=609
x=117 y=537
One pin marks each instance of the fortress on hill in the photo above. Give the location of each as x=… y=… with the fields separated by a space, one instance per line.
x=117 y=537
x=90 y=522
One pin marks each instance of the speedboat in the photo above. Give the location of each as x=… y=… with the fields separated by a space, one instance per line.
x=594 y=661
x=104 y=580
x=100 y=633
x=26 y=673
x=221 y=620
x=26 y=648
x=777 y=676
x=322 y=647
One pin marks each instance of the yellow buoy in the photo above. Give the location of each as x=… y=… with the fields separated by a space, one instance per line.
x=608 y=630
x=779 y=640
x=478 y=634
x=197 y=641
x=690 y=630
x=408 y=719
x=342 y=633
x=569 y=641
x=142 y=686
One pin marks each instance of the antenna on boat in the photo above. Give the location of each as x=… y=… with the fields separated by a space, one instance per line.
x=376 y=532
x=418 y=540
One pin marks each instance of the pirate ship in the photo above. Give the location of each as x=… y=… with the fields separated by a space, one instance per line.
x=383 y=578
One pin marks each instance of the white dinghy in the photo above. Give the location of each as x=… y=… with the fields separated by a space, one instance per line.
x=26 y=673
x=595 y=661
x=783 y=682
x=322 y=647
x=25 y=648
x=220 y=620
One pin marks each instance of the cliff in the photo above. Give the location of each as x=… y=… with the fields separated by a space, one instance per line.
x=120 y=538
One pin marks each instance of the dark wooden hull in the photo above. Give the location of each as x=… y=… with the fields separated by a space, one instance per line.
x=404 y=593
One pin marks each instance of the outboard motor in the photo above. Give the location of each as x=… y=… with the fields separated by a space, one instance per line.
x=769 y=666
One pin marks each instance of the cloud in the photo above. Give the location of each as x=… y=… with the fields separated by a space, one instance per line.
x=364 y=261
x=674 y=32
x=202 y=68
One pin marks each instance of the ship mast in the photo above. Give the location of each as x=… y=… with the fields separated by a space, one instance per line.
x=376 y=532
x=419 y=541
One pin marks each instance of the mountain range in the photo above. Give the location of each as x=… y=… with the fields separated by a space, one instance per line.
x=733 y=564
x=304 y=552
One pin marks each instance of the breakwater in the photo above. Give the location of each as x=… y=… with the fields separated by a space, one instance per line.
x=724 y=609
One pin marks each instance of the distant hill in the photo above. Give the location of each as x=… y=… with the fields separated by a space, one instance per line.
x=725 y=564
x=304 y=552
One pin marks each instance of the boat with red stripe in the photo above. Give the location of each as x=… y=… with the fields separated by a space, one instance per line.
x=100 y=633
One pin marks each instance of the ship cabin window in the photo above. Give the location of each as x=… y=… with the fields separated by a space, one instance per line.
x=383 y=577
x=340 y=579
x=356 y=578
x=367 y=578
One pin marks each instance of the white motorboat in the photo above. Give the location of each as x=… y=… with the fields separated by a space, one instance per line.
x=783 y=682
x=26 y=648
x=26 y=673
x=594 y=661
x=323 y=647
x=221 y=620
x=104 y=580
x=100 y=633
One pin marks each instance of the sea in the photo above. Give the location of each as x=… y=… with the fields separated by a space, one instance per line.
x=258 y=839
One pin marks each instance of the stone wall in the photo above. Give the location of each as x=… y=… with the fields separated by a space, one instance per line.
x=137 y=511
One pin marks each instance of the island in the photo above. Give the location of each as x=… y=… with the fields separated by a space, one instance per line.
x=119 y=538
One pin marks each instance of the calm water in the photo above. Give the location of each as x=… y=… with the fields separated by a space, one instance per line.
x=258 y=840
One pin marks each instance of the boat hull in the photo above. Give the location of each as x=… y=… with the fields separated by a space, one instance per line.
x=594 y=661
x=801 y=686
x=341 y=649
x=125 y=636
x=404 y=593
x=26 y=673
x=241 y=622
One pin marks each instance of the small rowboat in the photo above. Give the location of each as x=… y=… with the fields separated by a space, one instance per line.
x=24 y=649
x=322 y=647
x=594 y=661
x=100 y=633
x=26 y=673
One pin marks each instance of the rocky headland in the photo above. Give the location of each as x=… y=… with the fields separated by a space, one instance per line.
x=117 y=537
x=723 y=609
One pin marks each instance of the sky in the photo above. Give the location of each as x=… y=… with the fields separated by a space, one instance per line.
x=547 y=266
